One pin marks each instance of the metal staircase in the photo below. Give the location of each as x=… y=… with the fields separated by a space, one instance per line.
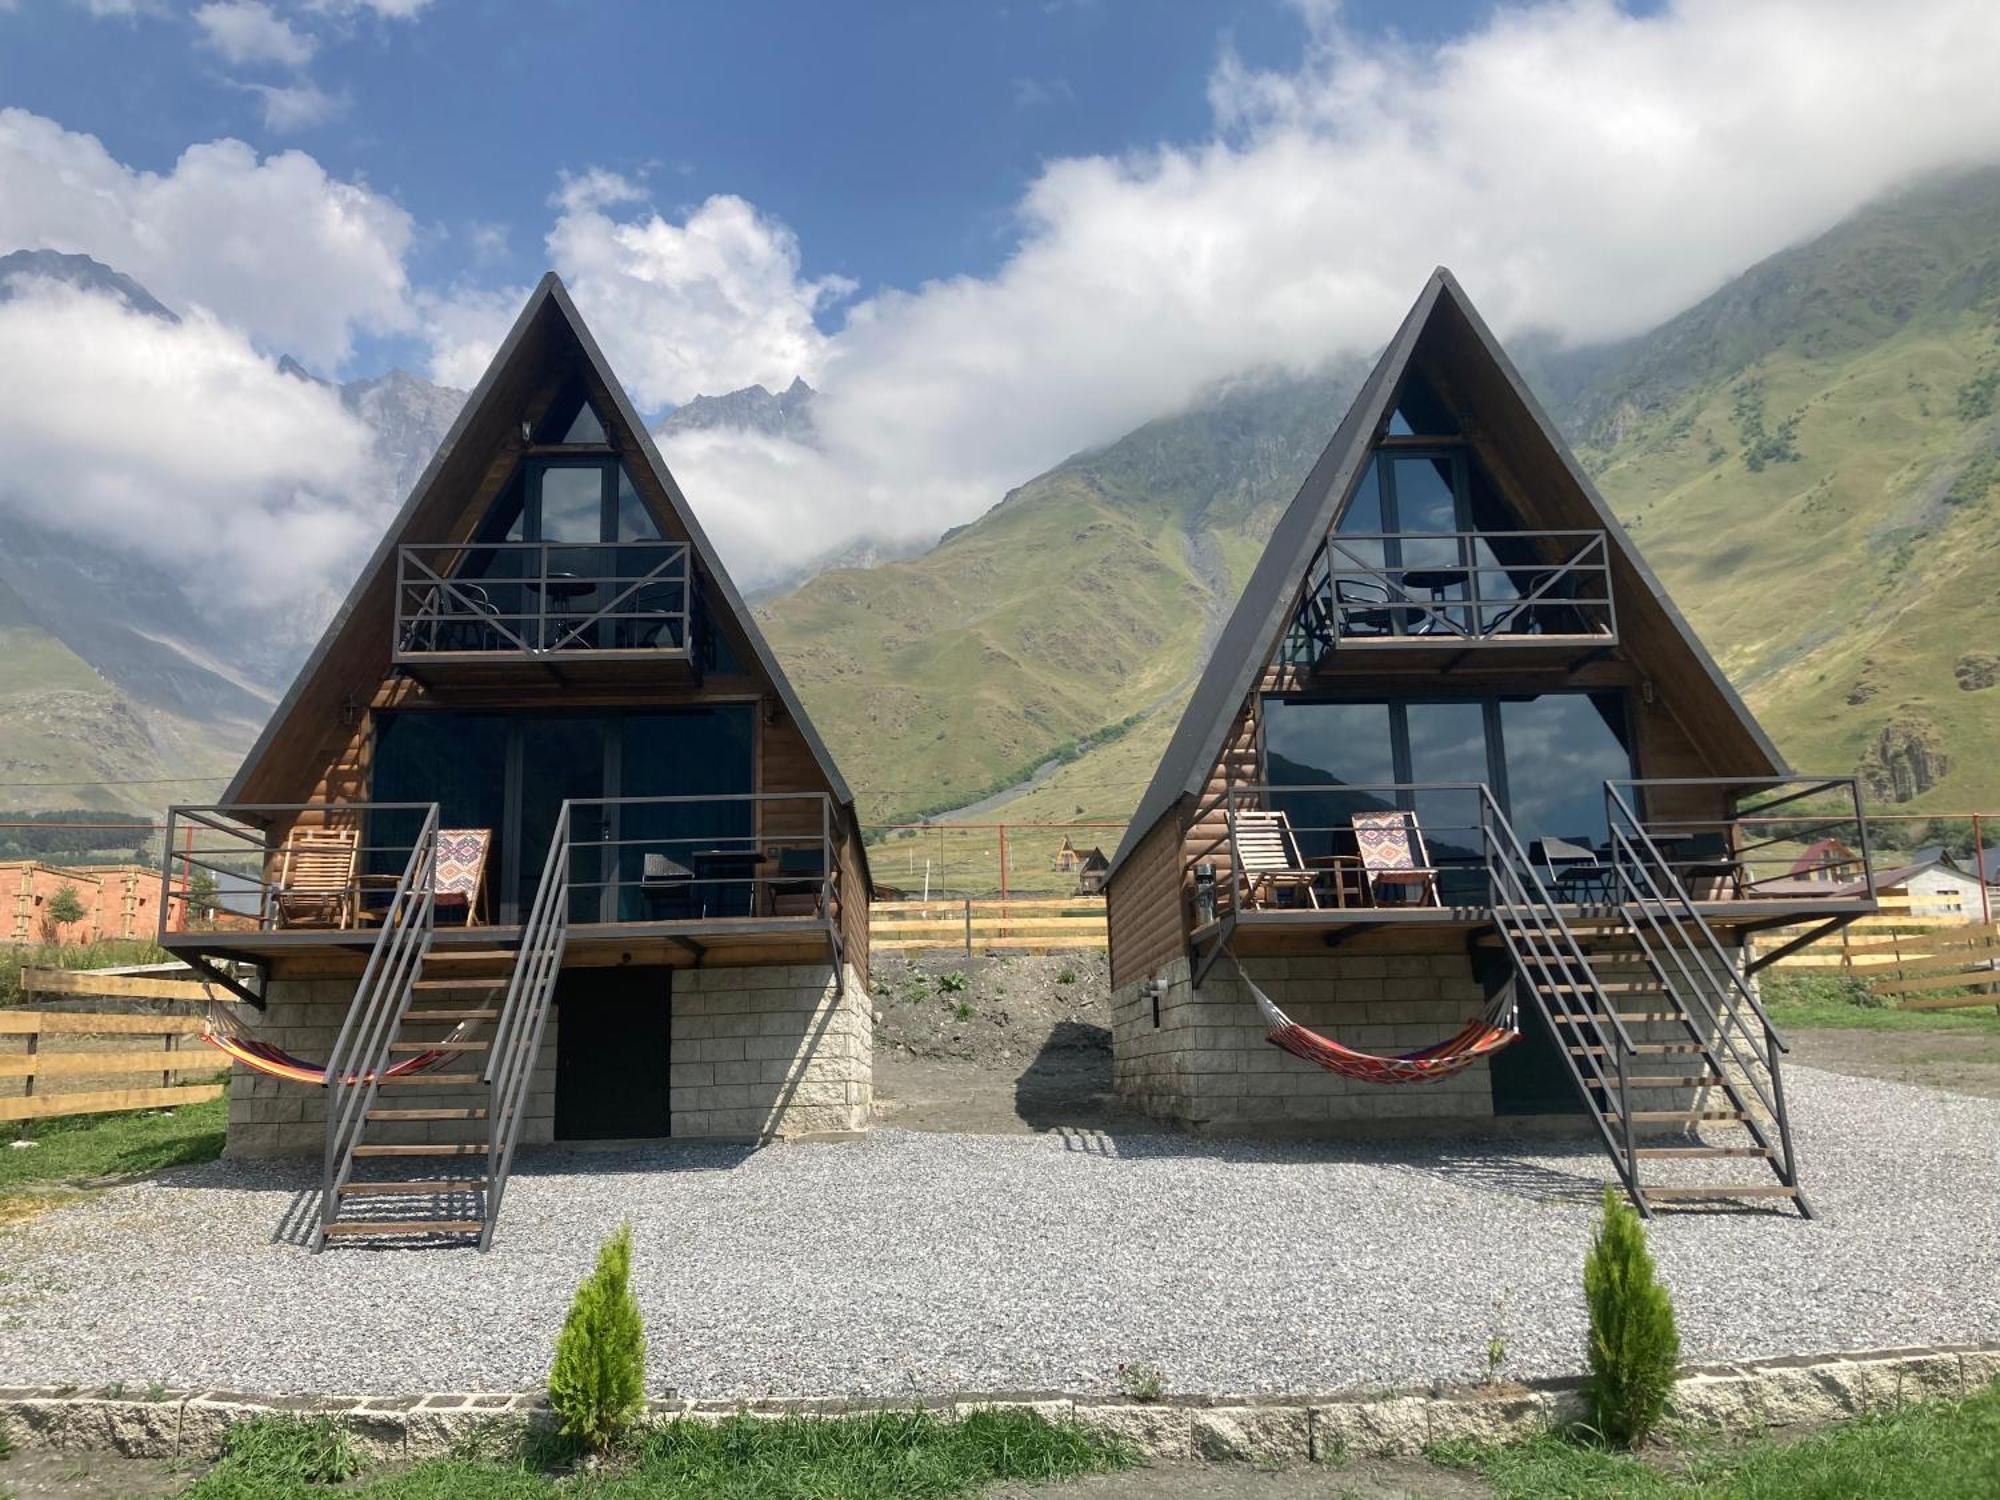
x=517 y=1042
x=412 y=997
x=408 y=991
x=1706 y=1054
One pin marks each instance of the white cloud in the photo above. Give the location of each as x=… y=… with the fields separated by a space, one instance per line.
x=249 y=32
x=293 y=107
x=301 y=261
x=180 y=442
x=388 y=10
x=1585 y=170
x=463 y=327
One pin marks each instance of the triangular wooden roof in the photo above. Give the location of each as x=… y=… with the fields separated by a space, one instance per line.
x=1445 y=331
x=548 y=329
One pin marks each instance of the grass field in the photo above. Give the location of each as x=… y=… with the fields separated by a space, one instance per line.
x=105 y=955
x=71 y=1153
x=1828 y=1000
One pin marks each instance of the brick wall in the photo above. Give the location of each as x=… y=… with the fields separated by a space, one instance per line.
x=762 y=1052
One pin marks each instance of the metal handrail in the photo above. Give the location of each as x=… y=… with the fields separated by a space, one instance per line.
x=610 y=885
x=1711 y=1001
x=524 y=1014
x=361 y=1050
x=424 y=590
x=1523 y=909
x=1338 y=561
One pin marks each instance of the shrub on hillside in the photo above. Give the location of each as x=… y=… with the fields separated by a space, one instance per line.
x=1634 y=1344
x=598 y=1385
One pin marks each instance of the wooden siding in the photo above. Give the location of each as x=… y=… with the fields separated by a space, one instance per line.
x=1145 y=912
x=854 y=898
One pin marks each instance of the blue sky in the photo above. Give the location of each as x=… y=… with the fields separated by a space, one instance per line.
x=989 y=235
x=893 y=138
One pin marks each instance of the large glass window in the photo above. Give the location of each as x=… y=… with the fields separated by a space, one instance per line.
x=1546 y=760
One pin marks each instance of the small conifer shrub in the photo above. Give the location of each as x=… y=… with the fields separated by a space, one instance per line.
x=1634 y=1344
x=598 y=1385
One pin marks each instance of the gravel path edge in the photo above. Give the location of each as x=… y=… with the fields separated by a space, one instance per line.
x=1736 y=1397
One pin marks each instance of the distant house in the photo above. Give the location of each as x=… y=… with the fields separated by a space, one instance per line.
x=1460 y=800
x=1090 y=871
x=1065 y=859
x=119 y=901
x=1937 y=886
x=541 y=843
x=1828 y=860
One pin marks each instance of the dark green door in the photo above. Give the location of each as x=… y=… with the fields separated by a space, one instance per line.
x=613 y=1045
x=1530 y=1077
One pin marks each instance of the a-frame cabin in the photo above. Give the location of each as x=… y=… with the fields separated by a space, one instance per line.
x=1457 y=754
x=542 y=822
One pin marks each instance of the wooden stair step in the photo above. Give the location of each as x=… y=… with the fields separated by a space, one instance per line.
x=425 y=1148
x=1758 y=1190
x=1670 y=1081
x=1683 y=1153
x=404 y=1226
x=411 y=1080
x=440 y=1185
x=438 y=1045
x=1639 y=1017
x=450 y=1015
x=426 y=1114
x=1649 y=1049
x=439 y=954
x=480 y=982
x=1689 y=1115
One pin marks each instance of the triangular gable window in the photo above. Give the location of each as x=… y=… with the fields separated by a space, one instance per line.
x=586 y=428
x=572 y=419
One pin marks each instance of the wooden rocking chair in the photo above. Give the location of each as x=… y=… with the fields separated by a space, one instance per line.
x=1393 y=854
x=1267 y=854
x=316 y=886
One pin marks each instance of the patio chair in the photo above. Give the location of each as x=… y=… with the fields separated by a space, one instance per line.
x=1267 y=854
x=459 y=879
x=1393 y=855
x=1363 y=608
x=316 y=884
x=798 y=879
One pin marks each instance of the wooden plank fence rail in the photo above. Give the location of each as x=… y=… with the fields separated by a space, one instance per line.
x=36 y=1062
x=1033 y=924
x=109 y=986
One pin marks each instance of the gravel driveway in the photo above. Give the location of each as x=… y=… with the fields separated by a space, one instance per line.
x=919 y=1263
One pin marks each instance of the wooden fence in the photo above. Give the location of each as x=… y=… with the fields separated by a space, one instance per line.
x=43 y=1058
x=1035 y=925
x=114 y=984
x=1904 y=956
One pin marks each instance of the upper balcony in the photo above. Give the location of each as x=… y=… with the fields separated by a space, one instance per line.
x=1526 y=595
x=556 y=605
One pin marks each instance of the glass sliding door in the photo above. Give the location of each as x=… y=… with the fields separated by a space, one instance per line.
x=1450 y=743
x=1560 y=750
x=679 y=860
x=1332 y=745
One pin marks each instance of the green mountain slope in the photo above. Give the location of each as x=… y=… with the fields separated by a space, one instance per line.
x=1808 y=457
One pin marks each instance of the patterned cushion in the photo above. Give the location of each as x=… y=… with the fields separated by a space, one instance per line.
x=461 y=860
x=1384 y=840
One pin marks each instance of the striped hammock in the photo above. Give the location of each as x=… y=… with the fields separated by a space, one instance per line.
x=1485 y=1034
x=227 y=1037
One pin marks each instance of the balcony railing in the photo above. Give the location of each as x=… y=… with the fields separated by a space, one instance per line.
x=274 y=866
x=486 y=601
x=1456 y=589
x=1798 y=841
x=679 y=859
x=335 y=867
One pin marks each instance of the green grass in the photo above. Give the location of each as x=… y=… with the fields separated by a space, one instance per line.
x=82 y=1148
x=111 y=953
x=1814 y=1000
x=889 y=1454
x=1939 y=1451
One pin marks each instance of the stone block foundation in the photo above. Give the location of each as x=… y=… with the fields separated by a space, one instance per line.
x=757 y=1054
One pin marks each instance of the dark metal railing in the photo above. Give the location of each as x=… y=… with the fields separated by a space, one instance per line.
x=1771 y=837
x=524 y=1016
x=1455 y=589
x=1563 y=983
x=696 y=858
x=361 y=1051
x=1685 y=956
x=488 y=599
x=225 y=864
